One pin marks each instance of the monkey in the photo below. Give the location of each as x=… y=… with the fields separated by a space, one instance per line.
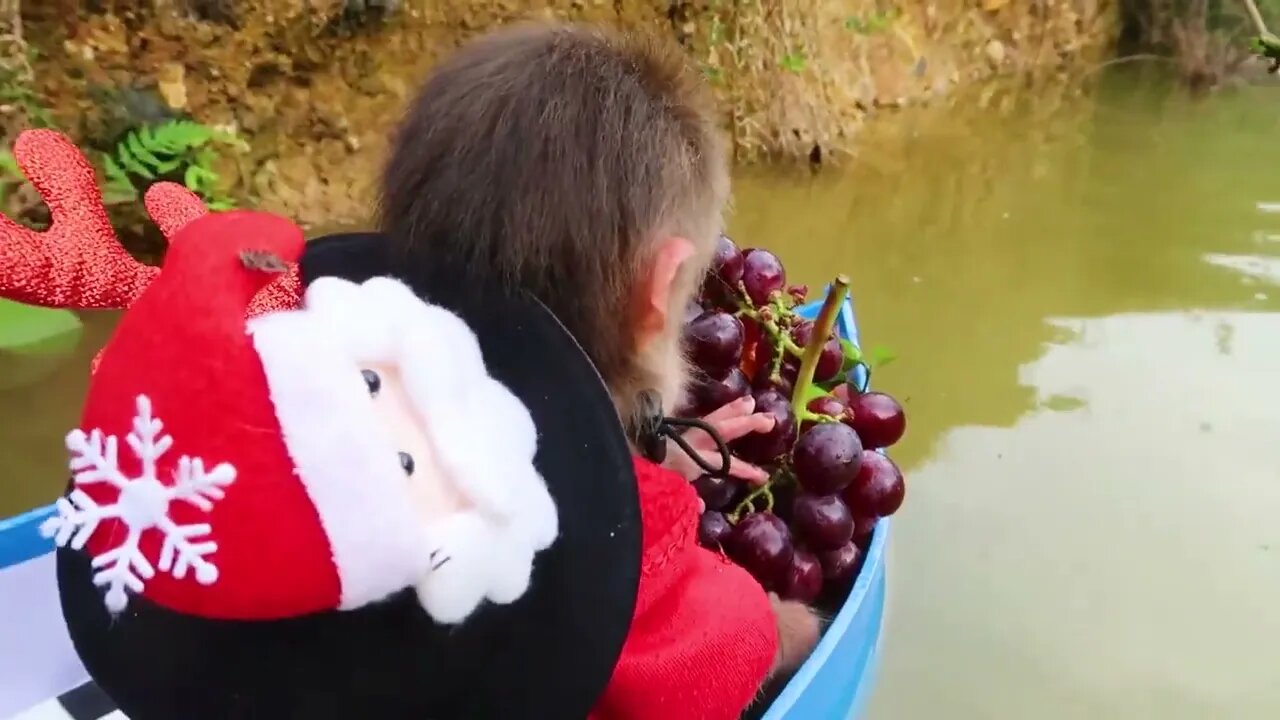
x=586 y=167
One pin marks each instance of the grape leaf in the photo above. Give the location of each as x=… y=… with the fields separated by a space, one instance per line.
x=851 y=356
x=880 y=356
x=813 y=391
x=26 y=327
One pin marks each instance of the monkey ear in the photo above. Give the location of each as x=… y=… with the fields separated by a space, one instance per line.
x=657 y=285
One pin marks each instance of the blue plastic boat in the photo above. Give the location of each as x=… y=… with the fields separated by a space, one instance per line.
x=40 y=675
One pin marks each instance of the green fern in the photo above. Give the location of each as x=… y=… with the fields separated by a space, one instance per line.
x=11 y=177
x=177 y=150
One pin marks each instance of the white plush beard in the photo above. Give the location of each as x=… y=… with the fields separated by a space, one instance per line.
x=471 y=559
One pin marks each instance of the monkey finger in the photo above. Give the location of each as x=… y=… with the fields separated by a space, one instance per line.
x=736 y=408
x=735 y=428
x=745 y=471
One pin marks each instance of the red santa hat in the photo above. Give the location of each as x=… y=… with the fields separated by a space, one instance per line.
x=184 y=490
x=237 y=472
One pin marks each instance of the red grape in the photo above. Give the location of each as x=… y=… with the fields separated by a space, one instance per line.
x=726 y=263
x=803 y=580
x=878 y=418
x=691 y=311
x=826 y=458
x=709 y=394
x=840 y=566
x=761 y=543
x=713 y=529
x=721 y=285
x=842 y=392
x=798 y=293
x=714 y=340
x=878 y=488
x=763 y=447
x=716 y=492
x=832 y=357
x=822 y=521
x=863 y=528
x=825 y=405
x=762 y=275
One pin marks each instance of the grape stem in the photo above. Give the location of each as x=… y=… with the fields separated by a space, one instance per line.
x=779 y=338
x=747 y=504
x=823 y=325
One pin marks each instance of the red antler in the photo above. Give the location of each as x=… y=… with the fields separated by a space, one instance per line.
x=172 y=206
x=77 y=262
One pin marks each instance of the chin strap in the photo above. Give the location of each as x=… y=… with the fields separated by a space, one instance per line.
x=651 y=430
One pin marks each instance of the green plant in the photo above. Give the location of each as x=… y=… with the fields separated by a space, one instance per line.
x=16 y=89
x=11 y=177
x=1265 y=44
x=178 y=150
x=1267 y=47
x=794 y=61
x=872 y=22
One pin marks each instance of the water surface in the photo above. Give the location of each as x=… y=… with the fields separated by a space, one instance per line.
x=1083 y=294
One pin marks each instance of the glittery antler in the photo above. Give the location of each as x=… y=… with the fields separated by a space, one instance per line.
x=172 y=206
x=77 y=262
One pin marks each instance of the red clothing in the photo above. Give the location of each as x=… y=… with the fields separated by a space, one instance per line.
x=704 y=636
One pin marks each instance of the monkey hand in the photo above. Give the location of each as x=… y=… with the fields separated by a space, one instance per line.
x=798 y=632
x=730 y=422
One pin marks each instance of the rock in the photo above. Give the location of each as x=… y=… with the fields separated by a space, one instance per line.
x=995 y=52
x=171 y=83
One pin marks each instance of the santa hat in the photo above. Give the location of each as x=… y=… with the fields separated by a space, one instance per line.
x=183 y=487
x=217 y=490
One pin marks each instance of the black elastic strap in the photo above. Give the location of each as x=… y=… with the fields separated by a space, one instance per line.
x=651 y=430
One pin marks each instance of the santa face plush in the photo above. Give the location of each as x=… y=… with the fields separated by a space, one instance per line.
x=407 y=447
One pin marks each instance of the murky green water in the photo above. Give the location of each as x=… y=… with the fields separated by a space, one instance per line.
x=1083 y=295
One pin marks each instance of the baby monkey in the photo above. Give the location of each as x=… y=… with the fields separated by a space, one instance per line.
x=587 y=168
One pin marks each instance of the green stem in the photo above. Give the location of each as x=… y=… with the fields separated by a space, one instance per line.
x=778 y=337
x=765 y=491
x=1255 y=15
x=822 y=327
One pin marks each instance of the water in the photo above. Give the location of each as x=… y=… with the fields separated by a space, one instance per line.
x=1082 y=292
x=1083 y=295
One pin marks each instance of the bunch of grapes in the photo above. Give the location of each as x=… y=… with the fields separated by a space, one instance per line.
x=803 y=533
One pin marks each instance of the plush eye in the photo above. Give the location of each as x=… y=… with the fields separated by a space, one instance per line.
x=372 y=381
x=406 y=462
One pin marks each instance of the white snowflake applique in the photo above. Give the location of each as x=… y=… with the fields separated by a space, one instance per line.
x=141 y=504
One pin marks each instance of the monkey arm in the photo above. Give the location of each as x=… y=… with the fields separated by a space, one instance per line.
x=704 y=636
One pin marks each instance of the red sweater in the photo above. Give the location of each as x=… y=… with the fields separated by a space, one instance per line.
x=703 y=637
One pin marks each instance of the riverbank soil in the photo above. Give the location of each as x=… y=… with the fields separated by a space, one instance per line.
x=314 y=86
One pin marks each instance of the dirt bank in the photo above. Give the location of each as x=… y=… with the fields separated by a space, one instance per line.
x=314 y=85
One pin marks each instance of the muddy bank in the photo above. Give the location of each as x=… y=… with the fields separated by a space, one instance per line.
x=313 y=86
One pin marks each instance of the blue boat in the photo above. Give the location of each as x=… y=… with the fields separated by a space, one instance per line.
x=42 y=679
